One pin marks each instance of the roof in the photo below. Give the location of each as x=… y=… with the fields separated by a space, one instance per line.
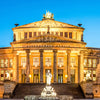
x=48 y=22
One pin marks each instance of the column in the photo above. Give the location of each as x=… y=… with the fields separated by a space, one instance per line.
x=79 y=64
x=41 y=66
x=68 y=65
x=27 y=66
x=54 y=65
x=17 y=68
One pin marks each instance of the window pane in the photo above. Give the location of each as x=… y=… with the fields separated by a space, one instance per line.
x=85 y=62
x=6 y=62
x=25 y=35
x=89 y=62
x=66 y=34
x=10 y=63
x=94 y=62
x=60 y=61
x=23 y=61
x=48 y=61
x=36 y=61
x=2 y=62
x=30 y=34
x=70 y=34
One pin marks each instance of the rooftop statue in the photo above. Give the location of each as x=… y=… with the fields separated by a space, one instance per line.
x=48 y=15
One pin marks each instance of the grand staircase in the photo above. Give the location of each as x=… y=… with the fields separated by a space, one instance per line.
x=22 y=90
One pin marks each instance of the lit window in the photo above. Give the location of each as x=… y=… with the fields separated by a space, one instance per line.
x=9 y=74
x=85 y=62
x=70 y=35
x=36 y=61
x=60 y=61
x=25 y=35
x=30 y=34
x=94 y=62
x=10 y=62
x=61 y=33
x=89 y=62
x=66 y=34
x=6 y=62
x=2 y=62
x=73 y=61
x=48 y=61
x=23 y=61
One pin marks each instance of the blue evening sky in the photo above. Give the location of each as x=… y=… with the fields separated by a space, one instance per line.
x=73 y=12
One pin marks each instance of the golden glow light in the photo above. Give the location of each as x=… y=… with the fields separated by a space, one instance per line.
x=66 y=76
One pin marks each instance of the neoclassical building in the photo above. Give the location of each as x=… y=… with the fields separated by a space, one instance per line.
x=48 y=45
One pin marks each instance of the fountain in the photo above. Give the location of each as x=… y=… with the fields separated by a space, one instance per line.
x=48 y=92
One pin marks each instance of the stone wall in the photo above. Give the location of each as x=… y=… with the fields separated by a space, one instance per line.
x=1 y=90
x=87 y=88
x=8 y=88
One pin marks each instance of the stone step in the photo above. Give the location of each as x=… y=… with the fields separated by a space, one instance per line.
x=22 y=90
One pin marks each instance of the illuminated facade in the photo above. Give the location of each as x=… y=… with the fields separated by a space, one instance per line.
x=48 y=45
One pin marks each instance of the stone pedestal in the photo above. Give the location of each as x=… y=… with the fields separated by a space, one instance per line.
x=8 y=88
x=87 y=88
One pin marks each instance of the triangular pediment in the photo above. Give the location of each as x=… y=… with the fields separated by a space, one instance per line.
x=46 y=23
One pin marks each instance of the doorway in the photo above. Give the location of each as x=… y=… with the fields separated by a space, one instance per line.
x=72 y=76
x=60 y=75
x=35 y=76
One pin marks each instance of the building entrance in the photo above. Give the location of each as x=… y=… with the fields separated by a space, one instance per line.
x=35 y=76
x=60 y=75
x=72 y=76
x=23 y=76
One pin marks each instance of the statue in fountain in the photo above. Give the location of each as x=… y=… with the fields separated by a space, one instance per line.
x=49 y=76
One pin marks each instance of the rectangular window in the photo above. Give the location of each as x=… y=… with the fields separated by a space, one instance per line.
x=10 y=63
x=39 y=33
x=60 y=61
x=48 y=61
x=2 y=62
x=94 y=62
x=85 y=62
x=66 y=34
x=89 y=63
x=70 y=35
x=6 y=62
x=61 y=33
x=94 y=75
x=73 y=61
x=23 y=61
x=36 y=61
x=30 y=34
x=25 y=35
